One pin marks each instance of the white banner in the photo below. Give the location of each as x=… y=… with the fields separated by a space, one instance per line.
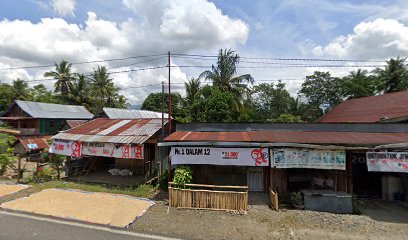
x=387 y=162
x=66 y=148
x=308 y=158
x=77 y=149
x=110 y=150
x=220 y=156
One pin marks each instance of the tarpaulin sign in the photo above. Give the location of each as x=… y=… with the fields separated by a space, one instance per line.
x=220 y=156
x=66 y=148
x=308 y=158
x=387 y=161
x=113 y=150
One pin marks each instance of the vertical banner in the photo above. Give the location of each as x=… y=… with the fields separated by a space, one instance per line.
x=387 y=162
x=308 y=158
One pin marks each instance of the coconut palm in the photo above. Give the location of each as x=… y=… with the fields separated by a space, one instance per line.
x=192 y=90
x=20 y=90
x=223 y=75
x=394 y=77
x=64 y=78
x=103 y=86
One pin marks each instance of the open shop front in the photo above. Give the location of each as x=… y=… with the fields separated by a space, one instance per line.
x=316 y=179
x=111 y=163
x=225 y=166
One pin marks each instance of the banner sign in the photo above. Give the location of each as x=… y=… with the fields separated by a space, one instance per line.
x=77 y=149
x=66 y=148
x=308 y=158
x=220 y=156
x=387 y=162
x=112 y=150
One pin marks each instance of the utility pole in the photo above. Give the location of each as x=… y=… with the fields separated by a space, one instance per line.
x=168 y=54
x=162 y=110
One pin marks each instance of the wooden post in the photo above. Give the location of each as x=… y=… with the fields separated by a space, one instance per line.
x=169 y=92
x=19 y=169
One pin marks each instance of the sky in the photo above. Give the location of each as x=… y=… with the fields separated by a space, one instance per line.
x=270 y=36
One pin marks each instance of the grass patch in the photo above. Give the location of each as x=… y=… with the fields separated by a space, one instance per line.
x=143 y=191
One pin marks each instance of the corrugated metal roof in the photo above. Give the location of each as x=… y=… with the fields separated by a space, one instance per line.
x=55 y=111
x=341 y=138
x=113 y=131
x=116 y=113
x=381 y=108
x=34 y=143
x=75 y=123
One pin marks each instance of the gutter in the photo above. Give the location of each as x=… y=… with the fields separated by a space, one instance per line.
x=254 y=144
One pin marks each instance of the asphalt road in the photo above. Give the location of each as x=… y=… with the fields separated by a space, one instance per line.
x=16 y=226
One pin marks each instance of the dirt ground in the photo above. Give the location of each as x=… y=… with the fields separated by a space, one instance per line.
x=263 y=223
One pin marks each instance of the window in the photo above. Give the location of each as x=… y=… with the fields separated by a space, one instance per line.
x=52 y=123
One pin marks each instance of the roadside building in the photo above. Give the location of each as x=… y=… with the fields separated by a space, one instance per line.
x=39 y=119
x=287 y=157
x=114 y=151
x=117 y=113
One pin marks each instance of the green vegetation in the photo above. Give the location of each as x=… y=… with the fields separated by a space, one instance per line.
x=94 y=92
x=6 y=152
x=231 y=98
x=183 y=175
x=139 y=191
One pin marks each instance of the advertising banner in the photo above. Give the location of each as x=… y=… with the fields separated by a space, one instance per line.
x=308 y=158
x=66 y=148
x=112 y=150
x=387 y=162
x=77 y=149
x=220 y=156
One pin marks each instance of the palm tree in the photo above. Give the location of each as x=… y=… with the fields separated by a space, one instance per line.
x=79 y=94
x=20 y=90
x=192 y=90
x=103 y=86
x=64 y=78
x=394 y=77
x=359 y=84
x=223 y=74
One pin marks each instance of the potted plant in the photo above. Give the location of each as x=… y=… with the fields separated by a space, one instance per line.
x=296 y=199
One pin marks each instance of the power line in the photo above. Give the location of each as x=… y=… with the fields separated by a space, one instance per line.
x=85 y=62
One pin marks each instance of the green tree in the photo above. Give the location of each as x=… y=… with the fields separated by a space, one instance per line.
x=6 y=96
x=103 y=87
x=321 y=90
x=271 y=101
x=153 y=102
x=193 y=88
x=359 y=84
x=80 y=92
x=394 y=77
x=64 y=77
x=39 y=93
x=286 y=118
x=20 y=90
x=223 y=75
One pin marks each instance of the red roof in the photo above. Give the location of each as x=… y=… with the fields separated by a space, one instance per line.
x=33 y=143
x=75 y=123
x=392 y=107
x=343 y=138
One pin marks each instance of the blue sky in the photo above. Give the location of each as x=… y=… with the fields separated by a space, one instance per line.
x=36 y=32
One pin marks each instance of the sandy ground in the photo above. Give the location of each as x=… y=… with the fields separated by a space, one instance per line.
x=263 y=223
x=7 y=189
x=100 y=208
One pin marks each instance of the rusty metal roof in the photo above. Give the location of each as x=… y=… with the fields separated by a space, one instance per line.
x=75 y=123
x=113 y=131
x=392 y=107
x=33 y=143
x=116 y=113
x=312 y=137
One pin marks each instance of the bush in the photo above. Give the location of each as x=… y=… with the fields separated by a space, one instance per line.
x=357 y=205
x=183 y=175
x=163 y=183
x=296 y=199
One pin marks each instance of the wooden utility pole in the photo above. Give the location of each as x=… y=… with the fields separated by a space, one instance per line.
x=162 y=110
x=168 y=54
x=19 y=169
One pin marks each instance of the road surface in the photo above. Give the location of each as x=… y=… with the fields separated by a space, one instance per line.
x=17 y=226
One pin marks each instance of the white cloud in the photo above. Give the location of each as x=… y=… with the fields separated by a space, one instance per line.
x=156 y=27
x=378 y=39
x=63 y=7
